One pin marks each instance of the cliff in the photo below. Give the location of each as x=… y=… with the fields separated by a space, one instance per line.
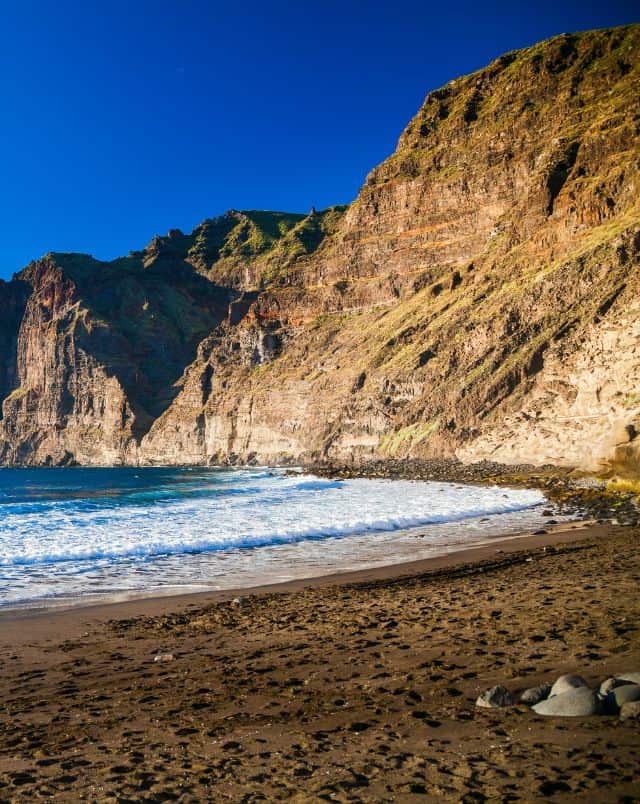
x=478 y=299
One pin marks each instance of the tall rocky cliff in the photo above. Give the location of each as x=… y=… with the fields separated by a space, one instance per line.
x=480 y=298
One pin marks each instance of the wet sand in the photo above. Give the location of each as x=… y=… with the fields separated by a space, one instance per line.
x=352 y=688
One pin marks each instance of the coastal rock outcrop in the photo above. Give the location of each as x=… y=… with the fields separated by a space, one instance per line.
x=98 y=350
x=477 y=300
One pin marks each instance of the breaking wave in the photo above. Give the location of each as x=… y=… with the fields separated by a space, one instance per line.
x=100 y=515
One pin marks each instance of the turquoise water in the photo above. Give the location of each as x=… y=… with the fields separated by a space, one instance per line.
x=80 y=533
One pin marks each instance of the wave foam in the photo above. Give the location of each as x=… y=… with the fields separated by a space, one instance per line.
x=206 y=512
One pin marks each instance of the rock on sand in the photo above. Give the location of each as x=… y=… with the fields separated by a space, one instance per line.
x=610 y=684
x=617 y=697
x=576 y=702
x=495 y=698
x=630 y=711
x=164 y=657
x=534 y=695
x=566 y=684
x=629 y=678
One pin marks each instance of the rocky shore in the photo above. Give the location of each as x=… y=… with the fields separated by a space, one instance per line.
x=570 y=493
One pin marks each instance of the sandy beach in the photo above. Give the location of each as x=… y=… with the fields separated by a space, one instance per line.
x=352 y=688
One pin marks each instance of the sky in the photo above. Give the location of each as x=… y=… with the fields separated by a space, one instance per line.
x=121 y=120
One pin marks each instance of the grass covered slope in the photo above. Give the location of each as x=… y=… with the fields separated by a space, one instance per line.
x=524 y=179
x=248 y=249
x=539 y=147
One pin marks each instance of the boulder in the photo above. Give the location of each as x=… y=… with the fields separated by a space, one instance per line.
x=630 y=711
x=534 y=695
x=567 y=683
x=576 y=702
x=618 y=681
x=495 y=698
x=629 y=678
x=617 y=697
x=609 y=684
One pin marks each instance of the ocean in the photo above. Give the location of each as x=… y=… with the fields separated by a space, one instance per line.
x=82 y=535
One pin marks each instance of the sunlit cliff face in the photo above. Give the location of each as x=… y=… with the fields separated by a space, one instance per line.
x=478 y=299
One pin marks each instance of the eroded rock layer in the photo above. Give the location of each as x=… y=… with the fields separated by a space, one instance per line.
x=478 y=299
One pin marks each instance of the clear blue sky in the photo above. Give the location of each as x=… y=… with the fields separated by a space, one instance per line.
x=125 y=119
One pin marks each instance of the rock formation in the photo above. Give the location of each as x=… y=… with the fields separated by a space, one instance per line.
x=479 y=299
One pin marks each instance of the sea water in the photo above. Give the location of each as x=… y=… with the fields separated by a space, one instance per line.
x=74 y=535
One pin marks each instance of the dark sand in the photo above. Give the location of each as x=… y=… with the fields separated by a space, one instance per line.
x=358 y=688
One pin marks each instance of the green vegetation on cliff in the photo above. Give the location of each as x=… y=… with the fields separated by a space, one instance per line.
x=249 y=249
x=591 y=77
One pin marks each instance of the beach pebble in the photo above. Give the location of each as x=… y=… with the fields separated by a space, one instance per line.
x=617 y=697
x=164 y=657
x=495 y=698
x=239 y=601
x=576 y=702
x=534 y=695
x=567 y=683
x=630 y=711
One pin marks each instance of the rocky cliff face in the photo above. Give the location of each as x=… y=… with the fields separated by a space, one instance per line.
x=13 y=301
x=479 y=299
x=99 y=348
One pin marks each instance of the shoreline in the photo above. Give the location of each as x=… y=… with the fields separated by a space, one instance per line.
x=395 y=546
x=147 y=604
x=359 y=686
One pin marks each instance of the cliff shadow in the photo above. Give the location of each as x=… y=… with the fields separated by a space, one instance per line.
x=13 y=302
x=143 y=323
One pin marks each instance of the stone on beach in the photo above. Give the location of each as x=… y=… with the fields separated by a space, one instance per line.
x=566 y=684
x=617 y=697
x=629 y=678
x=630 y=711
x=495 y=698
x=164 y=657
x=534 y=695
x=618 y=681
x=609 y=684
x=576 y=702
